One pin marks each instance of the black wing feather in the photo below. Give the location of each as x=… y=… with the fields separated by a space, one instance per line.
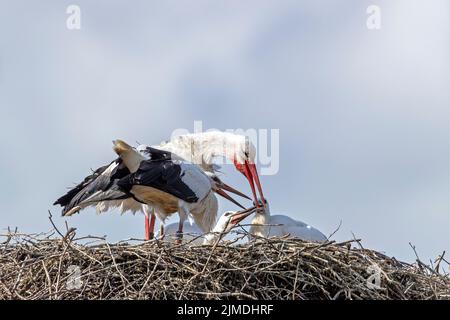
x=157 y=154
x=103 y=185
x=67 y=198
x=163 y=175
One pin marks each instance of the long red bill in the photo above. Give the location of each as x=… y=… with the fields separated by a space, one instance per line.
x=252 y=177
x=226 y=187
x=228 y=197
x=255 y=175
x=241 y=215
x=247 y=173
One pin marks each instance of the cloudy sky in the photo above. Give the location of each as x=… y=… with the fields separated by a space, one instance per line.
x=363 y=114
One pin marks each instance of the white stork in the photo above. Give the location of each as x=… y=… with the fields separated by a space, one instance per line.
x=147 y=180
x=171 y=185
x=266 y=225
x=168 y=185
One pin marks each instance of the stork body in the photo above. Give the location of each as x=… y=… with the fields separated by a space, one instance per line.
x=265 y=225
x=172 y=185
x=144 y=180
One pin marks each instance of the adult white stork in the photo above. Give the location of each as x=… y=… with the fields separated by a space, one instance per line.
x=171 y=185
x=224 y=224
x=168 y=185
x=266 y=225
x=202 y=148
x=115 y=185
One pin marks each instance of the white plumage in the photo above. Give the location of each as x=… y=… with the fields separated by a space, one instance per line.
x=265 y=225
x=202 y=148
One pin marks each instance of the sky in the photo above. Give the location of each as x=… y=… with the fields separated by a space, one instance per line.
x=363 y=115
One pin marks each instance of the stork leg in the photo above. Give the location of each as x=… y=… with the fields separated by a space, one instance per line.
x=180 y=232
x=152 y=225
x=161 y=231
x=149 y=226
x=183 y=212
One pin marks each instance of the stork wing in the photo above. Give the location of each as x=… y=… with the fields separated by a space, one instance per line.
x=98 y=187
x=165 y=175
x=154 y=154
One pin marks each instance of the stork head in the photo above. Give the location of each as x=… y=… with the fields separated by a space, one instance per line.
x=219 y=187
x=244 y=161
x=264 y=206
x=231 y=218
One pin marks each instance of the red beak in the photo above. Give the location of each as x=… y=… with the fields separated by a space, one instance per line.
x=227 y=196
x=250 y=172
x=241 y=215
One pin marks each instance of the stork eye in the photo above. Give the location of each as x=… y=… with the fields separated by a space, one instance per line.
x=228 y=213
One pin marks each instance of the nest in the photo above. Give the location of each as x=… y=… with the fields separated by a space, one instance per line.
x=51 y=267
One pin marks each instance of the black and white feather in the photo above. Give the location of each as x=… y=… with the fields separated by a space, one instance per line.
x=100 y=189
x=160 y=182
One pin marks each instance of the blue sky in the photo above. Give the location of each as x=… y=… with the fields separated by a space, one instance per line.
x=363 y=115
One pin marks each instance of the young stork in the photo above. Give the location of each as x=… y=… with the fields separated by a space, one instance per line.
x=266 y=225
x=202 y=148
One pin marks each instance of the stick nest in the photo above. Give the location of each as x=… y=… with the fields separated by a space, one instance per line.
x=46 y=267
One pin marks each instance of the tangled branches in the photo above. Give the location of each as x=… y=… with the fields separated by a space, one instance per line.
x=45 y=267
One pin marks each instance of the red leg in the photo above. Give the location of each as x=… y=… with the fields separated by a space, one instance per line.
x=147 y=228
x=152 y=227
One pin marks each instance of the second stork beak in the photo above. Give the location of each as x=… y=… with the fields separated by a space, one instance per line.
x=250 y=172
x=232 y=190
x=241 y=215
x=226 y=187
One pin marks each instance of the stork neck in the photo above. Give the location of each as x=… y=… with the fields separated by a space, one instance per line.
x=211 y=237
x=214 y=236
x=217 y=144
